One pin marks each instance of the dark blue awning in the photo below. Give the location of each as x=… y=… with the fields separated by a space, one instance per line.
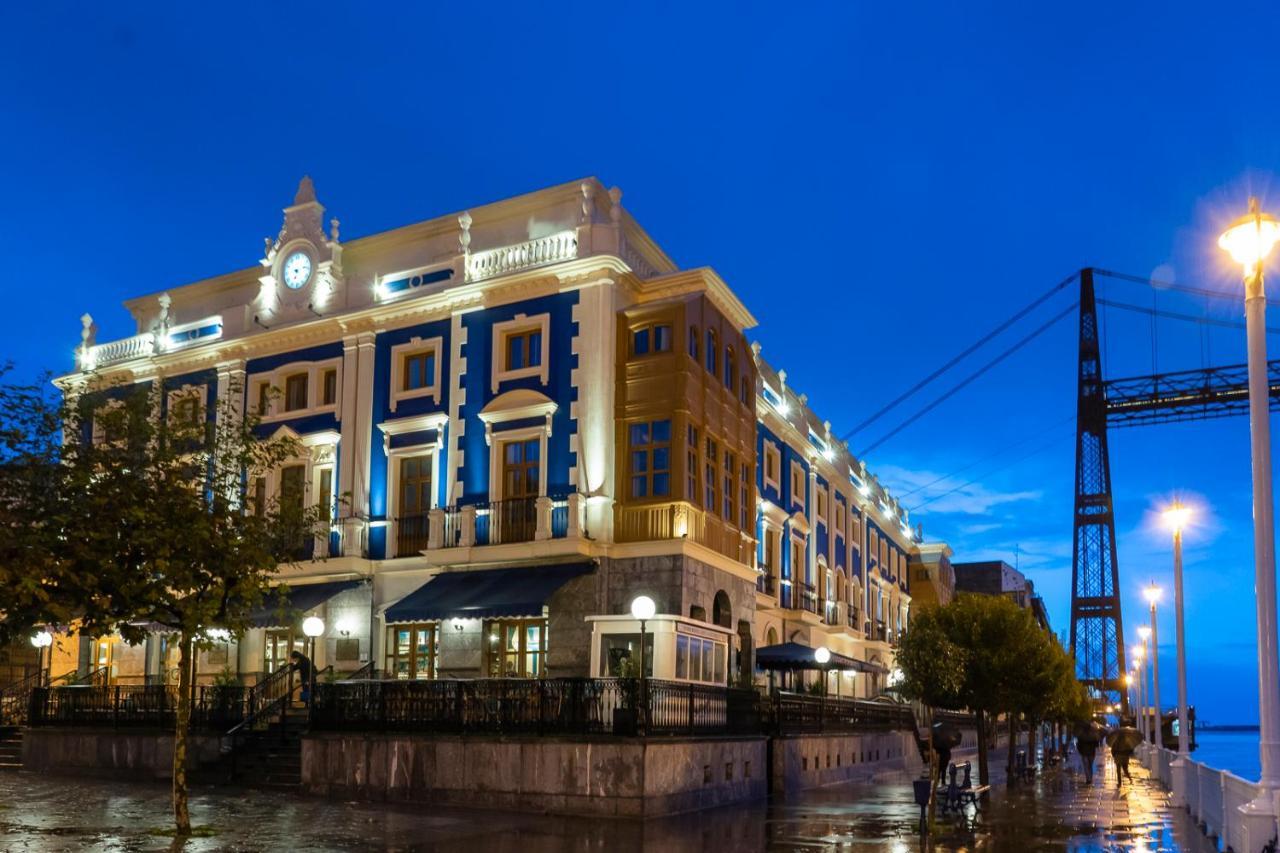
x=799 y=656
x=299 y=599
x=487 y=594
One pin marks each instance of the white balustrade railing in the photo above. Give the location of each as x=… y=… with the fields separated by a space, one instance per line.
x=121 y=350
x=562 y=246
x=1213 y=797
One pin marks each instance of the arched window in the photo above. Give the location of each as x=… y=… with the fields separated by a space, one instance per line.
x=721 y=610
x=712 y=348
x=771 y=636
x=693 y=342
x=730 y=370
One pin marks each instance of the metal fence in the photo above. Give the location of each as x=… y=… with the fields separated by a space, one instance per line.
x=536 y=706
x=799 y=713
x=1213 y=797
x=215 y=708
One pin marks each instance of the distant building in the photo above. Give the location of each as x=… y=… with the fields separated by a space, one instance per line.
x=996 y=577
x=932 y=578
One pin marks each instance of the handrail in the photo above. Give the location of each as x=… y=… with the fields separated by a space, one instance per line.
x=265 y=696
x=360 y=674
x=15 y=698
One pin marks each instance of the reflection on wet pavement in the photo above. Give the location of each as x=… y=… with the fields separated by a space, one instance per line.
x=1058 y=812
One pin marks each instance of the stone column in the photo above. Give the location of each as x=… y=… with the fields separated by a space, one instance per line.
x=542 y=516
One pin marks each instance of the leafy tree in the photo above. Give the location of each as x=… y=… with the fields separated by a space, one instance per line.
x=148 y=523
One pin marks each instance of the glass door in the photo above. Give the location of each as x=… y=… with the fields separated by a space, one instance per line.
x=104 y=658
x=279 y=643
x=517 y=518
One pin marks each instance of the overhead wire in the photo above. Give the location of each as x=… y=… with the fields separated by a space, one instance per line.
x=1044 y=327
x=1181 y=288
x=978 y=344
x=1041 y=449
x=1175 y=315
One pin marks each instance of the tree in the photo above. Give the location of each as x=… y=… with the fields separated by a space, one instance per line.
x=149 y=523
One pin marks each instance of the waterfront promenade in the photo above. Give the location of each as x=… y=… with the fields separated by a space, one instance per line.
x=1057 y=812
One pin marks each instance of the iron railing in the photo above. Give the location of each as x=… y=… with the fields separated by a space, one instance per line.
x=213 y=707
x=412 y=533
x=797 y=713
x=15 y=699
x=509 y=520
x=536 y=706
x=809 y=597
x=766 y=583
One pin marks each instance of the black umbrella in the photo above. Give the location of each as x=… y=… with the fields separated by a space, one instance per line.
x=1089 y=733
x=1124 y=739
x=946 y=735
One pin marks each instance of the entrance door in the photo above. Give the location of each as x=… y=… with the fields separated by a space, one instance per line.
x=517 y=511
x=104 y=659
x=279 y=643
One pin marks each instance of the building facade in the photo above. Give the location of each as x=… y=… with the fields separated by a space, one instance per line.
x=519 y=418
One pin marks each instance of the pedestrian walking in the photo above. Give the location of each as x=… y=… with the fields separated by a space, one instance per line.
x=1123 y=740
x=1088 y=736
x=302 y=664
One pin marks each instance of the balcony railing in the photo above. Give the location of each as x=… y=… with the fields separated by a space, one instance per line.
x=808 y=597
x=412 y=534
x=767 y=583
x=683 y=520
x=535 y=706
x=562 y=246
x=831 y=612
x=506 y=521
x=852 y=619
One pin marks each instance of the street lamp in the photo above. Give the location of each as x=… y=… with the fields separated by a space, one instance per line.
x=643 y=609
x=1249 y=240
x=41 y=640
x=312 y=626
x=1176 y=518
x=1139 y=655
x=1152 y=594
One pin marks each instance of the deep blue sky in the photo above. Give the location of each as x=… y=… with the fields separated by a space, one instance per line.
x=880 y=184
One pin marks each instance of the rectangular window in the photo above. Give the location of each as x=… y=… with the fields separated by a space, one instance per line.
x=691 y=467
x=797 y=485
x=415 y=485
x=650 y=459
x=411 y=652
x=744 y=489
x=418 y=370
x=329 y=387
x=653 y=338
x=523 y=349
x=730 y=492
x=260 y=496
x=324 y=494
x=186 y=411
x=516 y=648
x=822 y=503
x=711 y=491
x=264 y=399
x=772 y=462
x=293 y=485
x=295 y=392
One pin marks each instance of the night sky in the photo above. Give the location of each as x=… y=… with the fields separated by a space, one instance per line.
x=880 y=184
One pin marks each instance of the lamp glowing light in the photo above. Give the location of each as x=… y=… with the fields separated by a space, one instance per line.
x=642 y=607
x=313 y=626
x=1144 y=631
x=822 y=655
x=1251 y=237
x=1128 y=679
x=1137 y=653
x=1152 y=594
x=42 y=639
x=1176 y=516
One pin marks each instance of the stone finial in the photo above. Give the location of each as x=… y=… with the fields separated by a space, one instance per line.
x=615 y=212
x=333 y=229
x=165 y=301
x=755 y=348
x=826 y=425
x=587 y=192
x=87 y=331
x=464 y=239
x=804 y=399
x=306 y=191
x=267 y=245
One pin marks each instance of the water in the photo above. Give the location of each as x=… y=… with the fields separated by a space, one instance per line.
x=1236 y=752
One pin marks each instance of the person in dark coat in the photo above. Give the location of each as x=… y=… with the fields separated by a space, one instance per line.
x=1087 y=739
x=302 y=664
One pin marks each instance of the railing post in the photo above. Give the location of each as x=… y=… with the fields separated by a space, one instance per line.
x=382 y=706
x=691 y=715
x=542 y=518
x=467 y=536
x=458 y=701
x=115 y=707
x=435 y=529
x=577 y=507
x=542 y=703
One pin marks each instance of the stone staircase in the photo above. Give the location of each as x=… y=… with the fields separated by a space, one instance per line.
x=271 y=756
x=10 y=748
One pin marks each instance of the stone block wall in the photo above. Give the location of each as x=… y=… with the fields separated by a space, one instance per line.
x=140 y=755
x=811 y=761
x=617 y=776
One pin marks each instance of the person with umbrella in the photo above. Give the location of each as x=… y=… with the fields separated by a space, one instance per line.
x=946 y=736
x=1123 y=740
x=1088 y=736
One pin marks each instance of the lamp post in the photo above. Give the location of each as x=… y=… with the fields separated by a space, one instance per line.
x=1176 y=517
x=312 y=626
x=1152 y=594
x=643 y=608
x=41 y=640
x=1249 y=240
x=1139 y=661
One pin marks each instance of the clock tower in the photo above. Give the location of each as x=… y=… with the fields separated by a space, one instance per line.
x=302 y=266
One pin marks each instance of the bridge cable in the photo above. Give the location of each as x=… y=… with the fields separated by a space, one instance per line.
x=1041 y=449
x=969 y=379
x=963 y=355
x=1181 y=288
x=1175 y=315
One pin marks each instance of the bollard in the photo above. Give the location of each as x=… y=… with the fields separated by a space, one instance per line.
x=922 y=789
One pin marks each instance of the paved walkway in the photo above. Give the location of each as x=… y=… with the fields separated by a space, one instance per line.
x=1058 y=812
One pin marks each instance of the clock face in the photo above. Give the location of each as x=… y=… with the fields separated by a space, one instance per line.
x=297 y=270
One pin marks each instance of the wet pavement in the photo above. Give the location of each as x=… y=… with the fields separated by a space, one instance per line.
x=1055 y=813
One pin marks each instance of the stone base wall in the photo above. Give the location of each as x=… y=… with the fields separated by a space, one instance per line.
x=810 y=761
x=140 y=755
x=616 y=777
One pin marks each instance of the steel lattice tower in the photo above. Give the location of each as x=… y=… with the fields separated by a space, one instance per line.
x=1097 y=633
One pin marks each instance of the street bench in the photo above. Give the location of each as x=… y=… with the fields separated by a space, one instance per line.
x=962 y=793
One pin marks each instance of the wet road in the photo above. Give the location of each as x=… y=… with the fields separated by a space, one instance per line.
x=1056 y=813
